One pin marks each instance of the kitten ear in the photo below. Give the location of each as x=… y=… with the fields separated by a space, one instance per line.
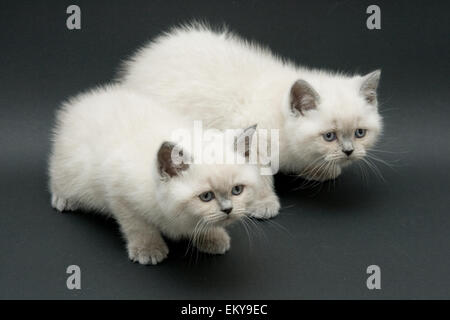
x=369 y=86
x=243 y=142
x=170 y=160
x=303 y=97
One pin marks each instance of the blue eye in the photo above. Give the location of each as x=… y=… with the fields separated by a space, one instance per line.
x=329 y=136
x=359 y=133
x=206 y=196
x=237 y=190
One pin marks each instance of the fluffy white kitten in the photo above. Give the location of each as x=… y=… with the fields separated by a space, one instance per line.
x=110 y=154
x=326 y=120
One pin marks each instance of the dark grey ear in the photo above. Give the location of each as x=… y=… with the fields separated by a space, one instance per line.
x=243 y=142
x=303 y=97
x=369 y=86
x=171 y=160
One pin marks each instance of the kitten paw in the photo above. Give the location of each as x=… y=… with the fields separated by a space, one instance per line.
x=266 y=209
x=214 y=241
x=62 y=204
x=148 y=253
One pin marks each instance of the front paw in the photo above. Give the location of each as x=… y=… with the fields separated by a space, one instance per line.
x=61 y=204
x=214 y=241
x=266 y=209
x=146 y=252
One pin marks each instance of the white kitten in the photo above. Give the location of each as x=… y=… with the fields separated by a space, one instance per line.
x=110 y=154
x=326 y=120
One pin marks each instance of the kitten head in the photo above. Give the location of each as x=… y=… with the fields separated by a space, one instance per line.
x=206 y=195
x=331 y=122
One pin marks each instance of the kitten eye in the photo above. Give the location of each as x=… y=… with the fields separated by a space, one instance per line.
x=329 y=136
x=207 y=196
x=237 y=190
x=359 y=133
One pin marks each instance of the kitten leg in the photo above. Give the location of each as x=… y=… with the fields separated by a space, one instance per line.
x=61 y=204
x=214 y=241
x=266 y=204
x=144 y=241
x=266 y=208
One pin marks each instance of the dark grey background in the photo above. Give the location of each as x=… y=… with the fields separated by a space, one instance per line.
x=325 y=237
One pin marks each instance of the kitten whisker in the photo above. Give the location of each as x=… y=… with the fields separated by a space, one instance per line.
x=246 y=228
x=363 y=174
x=251 y=222
x=279 y=226
x=375 y=158
x=335 y=170
x=194 y=235
x=386 y=151
x=312 y=165
x=374 y=168
x=312 y=173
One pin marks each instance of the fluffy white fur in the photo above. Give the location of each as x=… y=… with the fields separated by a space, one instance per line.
x=107 y=156
x=231 y=83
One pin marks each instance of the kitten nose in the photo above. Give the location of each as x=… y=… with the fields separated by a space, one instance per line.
x=348 y=152
x=227 y=210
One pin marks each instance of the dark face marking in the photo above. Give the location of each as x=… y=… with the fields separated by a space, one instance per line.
x=303 y=97
x=166 y=165
x=370 y=85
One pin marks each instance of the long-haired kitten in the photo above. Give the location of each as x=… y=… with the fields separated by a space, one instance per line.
x=110 y=154
x=327 y=120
